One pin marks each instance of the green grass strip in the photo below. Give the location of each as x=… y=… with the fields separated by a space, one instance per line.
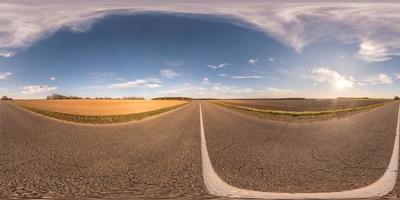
x=100 y=119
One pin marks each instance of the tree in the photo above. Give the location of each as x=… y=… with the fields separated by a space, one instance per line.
x=396 y=98
x=4 y=98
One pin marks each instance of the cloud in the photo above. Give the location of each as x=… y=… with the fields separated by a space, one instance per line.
x=222 y=89
x=218 y=66
x=271 y=59
x=52 y=78
x=186 y=89
x=222 y=75
x=374 y=51
x=380 y=79
x=397 y=76
x=37 y=89
x=169 y=73
x=104 y=76
x=334 y=78
x=368 y=24
x=205 y=81
x=140 y=83
x=4 y=75
x=247 y=77
x=280 y=91
x=253 y=61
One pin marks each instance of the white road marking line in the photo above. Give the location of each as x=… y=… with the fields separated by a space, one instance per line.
x=216 y=186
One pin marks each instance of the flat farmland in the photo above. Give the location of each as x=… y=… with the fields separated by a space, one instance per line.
x=303 y=105
x=98 y=107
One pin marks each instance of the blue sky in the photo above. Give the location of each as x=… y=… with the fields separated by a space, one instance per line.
x=194 y=54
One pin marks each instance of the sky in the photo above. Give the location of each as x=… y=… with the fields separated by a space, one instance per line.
x=222 y=49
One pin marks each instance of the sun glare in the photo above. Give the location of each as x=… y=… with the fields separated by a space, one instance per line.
x=342 y=84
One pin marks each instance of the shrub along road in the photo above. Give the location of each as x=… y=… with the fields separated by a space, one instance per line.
x=161 y=157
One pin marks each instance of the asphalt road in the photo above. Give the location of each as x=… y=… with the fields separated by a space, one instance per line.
x=161 y=157
x=155 y=158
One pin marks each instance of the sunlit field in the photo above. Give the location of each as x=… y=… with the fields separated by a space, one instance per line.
x=300 y=105
x=99 y=107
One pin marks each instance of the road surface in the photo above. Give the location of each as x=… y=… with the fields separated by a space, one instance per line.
x=161 y=157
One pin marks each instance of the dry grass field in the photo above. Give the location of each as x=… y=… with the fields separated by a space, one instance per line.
x=98 y=107
x=99 y=111
x=302 y=105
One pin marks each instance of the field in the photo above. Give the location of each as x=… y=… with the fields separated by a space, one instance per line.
x=99 y=111
x=303 y=105
x=98 y=107
x=301 y=109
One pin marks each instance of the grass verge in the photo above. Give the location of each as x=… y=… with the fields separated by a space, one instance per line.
x=101 y=119
x=298 y=115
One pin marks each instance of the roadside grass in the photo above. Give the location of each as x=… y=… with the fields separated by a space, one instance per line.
x=298 y=115
x=99 y=119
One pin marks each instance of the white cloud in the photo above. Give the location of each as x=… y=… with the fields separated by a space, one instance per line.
x=169 y=73
x=380 y=79
x=247 y=77
x=4 y=75
x=280 y=91
x=397 y=76
x=186 y=89
x=205 y=81
x=140 y=83
x=52 y=78
x=222 y=89
x=218 y=66
x=334 y=78
x=37 y=89
x=222 y=75
x=374 y=51
x=374 y=26
x=271 y=59
x=253 y=61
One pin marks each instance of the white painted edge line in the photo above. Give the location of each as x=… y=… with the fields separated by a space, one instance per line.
x=216 y=186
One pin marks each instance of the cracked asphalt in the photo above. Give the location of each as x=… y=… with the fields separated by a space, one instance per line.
x=323 y=156
x=160 y=157
x=155 y=158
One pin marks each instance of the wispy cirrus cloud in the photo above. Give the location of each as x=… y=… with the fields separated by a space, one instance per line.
x=37 y=89
x=140 y=83
x=374 y=26
x=4 y=75
x=246 y=77
x=218 y=66
x=279 y=90
x=380 y=79
x=169 y=73
x=253 y=61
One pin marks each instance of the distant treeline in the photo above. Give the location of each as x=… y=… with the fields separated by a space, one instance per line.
x=353 y=98
x=5 y=98
x=293 y=98
x=59 y=96
x=171 y=98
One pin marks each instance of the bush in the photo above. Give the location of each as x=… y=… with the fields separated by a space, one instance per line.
x=396 y=98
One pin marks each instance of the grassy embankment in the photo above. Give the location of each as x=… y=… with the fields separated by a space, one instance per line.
x=98 y=119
